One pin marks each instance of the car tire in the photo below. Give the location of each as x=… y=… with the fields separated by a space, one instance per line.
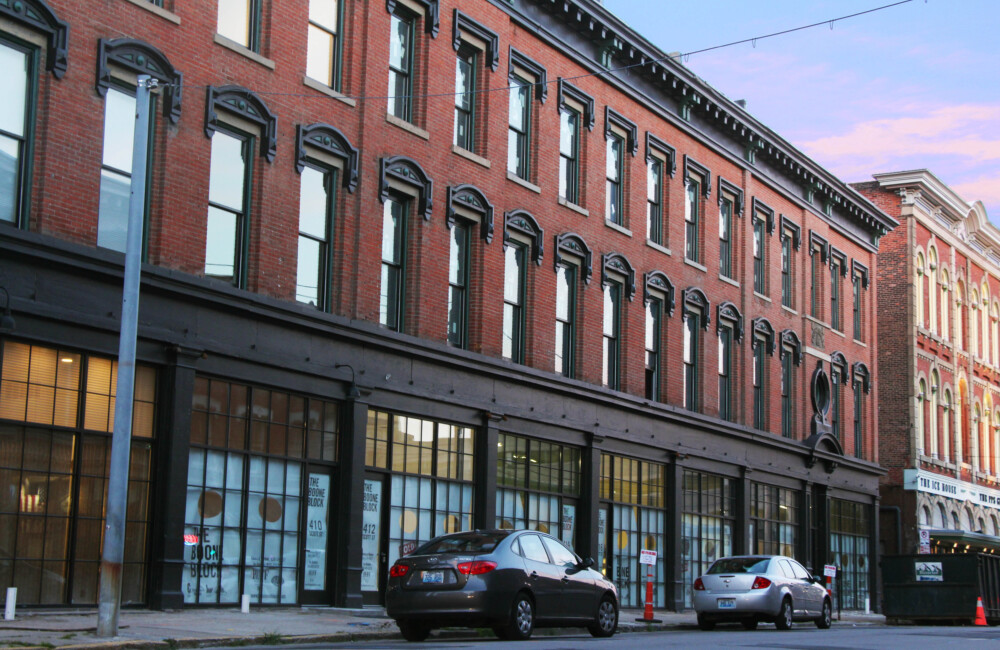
x=413 y=631
x=607 y=618
x=705 y=623
x=521 y=621
x=825 y=619
x=749 y=623
x=784 y=620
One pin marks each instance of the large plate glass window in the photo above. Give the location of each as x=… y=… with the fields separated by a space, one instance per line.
x=707 y=524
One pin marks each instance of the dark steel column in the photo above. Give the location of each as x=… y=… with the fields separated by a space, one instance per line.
x=173 y=430
x=590 y=500
x=484 y=509
x=350 y=501
x=743 y=543
x=673 y=563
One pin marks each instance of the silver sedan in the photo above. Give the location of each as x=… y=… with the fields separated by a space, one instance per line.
x=754 y=588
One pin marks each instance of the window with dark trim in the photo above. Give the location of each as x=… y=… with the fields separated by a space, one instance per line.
x=661 y=160
x=18 y=74
x=611 y=350
x=730 y=205
x=402 y=31
x=729 y=329
x=859 y=281
x=614 y=198
x=240 y=21
x=466 y=97
x=569 y=153
x=515 y=260
x=791 y=357
x=696 y=318
x=838 y=377
x=862 y=385
x=392 y=298
x=317 y=198
x=763 y=346
x=565 y=319
x=818 y=251
x=528 y=81
x=458 y=285
x=659 y=302
x=791 y=237
x=473 y=43
x=838 y=269
x=763 y=225
x=697 y=182
x=227 y=233
x=323 y=42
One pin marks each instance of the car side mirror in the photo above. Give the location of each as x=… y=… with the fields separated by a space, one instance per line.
x=587 y=563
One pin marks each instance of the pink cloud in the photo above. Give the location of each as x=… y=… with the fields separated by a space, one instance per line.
x=985 y=189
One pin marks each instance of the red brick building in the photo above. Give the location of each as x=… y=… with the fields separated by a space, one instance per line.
x=416 y=266
x=939 y=367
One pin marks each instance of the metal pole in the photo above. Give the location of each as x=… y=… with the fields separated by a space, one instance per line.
x=114 y=529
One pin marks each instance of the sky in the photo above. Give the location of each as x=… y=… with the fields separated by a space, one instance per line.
x=914 y=86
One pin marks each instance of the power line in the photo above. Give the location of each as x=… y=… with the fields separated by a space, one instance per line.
x=684 y=55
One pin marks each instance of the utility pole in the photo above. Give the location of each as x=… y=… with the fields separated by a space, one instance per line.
x=121 y=441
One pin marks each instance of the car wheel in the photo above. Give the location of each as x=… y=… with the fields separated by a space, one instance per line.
x=826 y=618
x=749 y=623
x=521 y=621
x=413 y=631
x=705 y=623
x=784 y=620
x=607 y=618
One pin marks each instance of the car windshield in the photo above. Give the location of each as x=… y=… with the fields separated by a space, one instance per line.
x=473 y=542
x=740 y=565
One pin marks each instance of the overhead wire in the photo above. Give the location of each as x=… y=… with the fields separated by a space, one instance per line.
x=625 y=68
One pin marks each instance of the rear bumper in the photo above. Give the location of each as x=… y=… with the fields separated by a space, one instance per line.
x=436 y=608
x=758 y=603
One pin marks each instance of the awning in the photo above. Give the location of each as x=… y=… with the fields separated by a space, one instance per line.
x=963 y=541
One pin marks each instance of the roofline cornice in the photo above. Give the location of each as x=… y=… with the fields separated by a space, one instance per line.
x=932 y=189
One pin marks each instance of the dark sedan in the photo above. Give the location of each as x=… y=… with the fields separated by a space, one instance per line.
x=511 y=581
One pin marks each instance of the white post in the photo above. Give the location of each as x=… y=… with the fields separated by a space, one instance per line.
x=245 y=604
x=8 y=614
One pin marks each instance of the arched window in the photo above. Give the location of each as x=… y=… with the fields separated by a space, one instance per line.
x=932 y=289
x=960 y=320
x=940 y=517
x=984 y=315
x=986 y=440
x=955 y=523
x=974 y=322
x=945 y=304
x=994 y=526
x=921 y=422
x=963 y=431
x=966 y=519
x=947 y=444
x=921 y=296
x=925 y=516
x=934 y=448
x=977 y=438
x=995 y=334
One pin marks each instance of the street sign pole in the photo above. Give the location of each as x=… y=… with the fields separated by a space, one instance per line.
x=114 y=516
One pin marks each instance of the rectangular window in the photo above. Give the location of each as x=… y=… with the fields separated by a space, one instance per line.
x=726 y=237
x=787 y=379
x=116 y=168
x=835 y=399
x=519 y=128
x=858 y=334
x=691 y=219
x=401 y=51
x=654 y=315
x=569 y=154
x=228 y=207
x=726 y=374
x=323 y=42
x=759 y=256
x=312 y=284
x=786 y=271
x=611 y=375
x=814 y=288
x=774 y=520
x=513 y=302
x=17 y=66
x=654 y=200
x=458 y=286
x=759 y=378
x=239 y=20
x=859 y=441
x=614 y=197
x=835 y=266
x=692 y=322
x=708 y=522
x=393 y=264
x=565 y=319
x=465 y=97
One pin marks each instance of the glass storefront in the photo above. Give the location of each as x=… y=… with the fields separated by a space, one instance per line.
x=849 y=543
x=633 y=519
x=708 y=519
x=56 y=417
x=430 y=485
x=538 y=486
x=774 y=520
x=246 y=492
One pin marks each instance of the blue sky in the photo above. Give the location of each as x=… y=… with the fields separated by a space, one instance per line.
x=908 y=87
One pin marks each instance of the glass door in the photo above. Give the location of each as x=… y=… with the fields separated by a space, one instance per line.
x=316 y=559
x=373 y=546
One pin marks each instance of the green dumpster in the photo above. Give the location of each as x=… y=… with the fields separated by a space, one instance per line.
x=941 y=587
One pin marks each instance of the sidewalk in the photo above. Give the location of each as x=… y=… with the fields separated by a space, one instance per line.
x=192 y=628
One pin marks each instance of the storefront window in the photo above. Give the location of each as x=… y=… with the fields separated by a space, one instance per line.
x=774 y=520
x=635 y=492
x=538 y=484
x=53 y=482
x=849 y=537
x=707 y=523
x=246 y=482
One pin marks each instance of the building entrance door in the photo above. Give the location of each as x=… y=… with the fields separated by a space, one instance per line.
x=373 y=549
x=316 y=560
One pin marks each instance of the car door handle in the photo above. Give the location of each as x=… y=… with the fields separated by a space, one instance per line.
x=534 y=575
x=565 y=579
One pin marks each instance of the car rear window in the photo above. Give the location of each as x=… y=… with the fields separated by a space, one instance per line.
x=463 y=543
x=740 y=565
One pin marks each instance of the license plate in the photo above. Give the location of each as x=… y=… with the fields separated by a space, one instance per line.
x=727 y=603
x=433 y=577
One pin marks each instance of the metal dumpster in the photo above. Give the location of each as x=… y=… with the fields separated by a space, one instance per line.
x=941 y=587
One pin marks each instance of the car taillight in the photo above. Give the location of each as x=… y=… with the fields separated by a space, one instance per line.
x=399 y=570
x=699 y=585
x=760 y=582
x=476 y=568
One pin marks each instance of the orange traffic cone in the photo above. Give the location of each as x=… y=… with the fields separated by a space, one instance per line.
x=980 y=612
